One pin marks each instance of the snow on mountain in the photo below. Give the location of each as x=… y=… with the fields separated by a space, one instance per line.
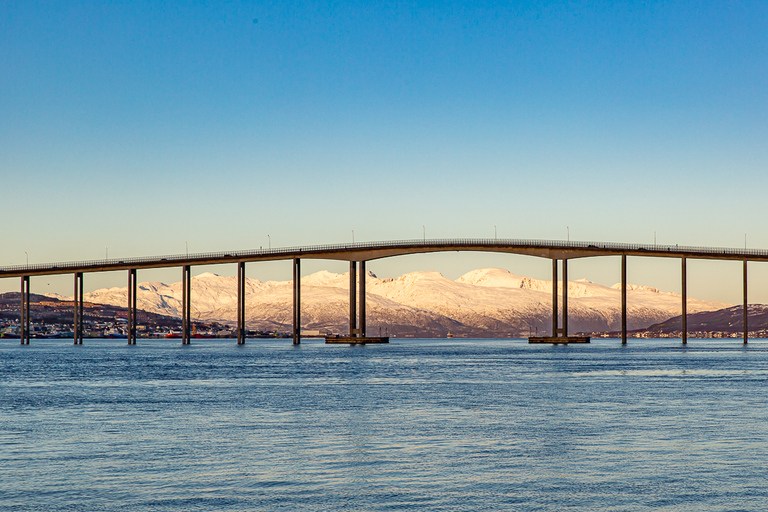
x=496 y=277
x=483 y=302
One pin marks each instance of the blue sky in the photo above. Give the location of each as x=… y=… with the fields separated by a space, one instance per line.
x=134 y=127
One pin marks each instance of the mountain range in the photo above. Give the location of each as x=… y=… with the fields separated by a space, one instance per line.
x=488 y=302
x=728 y=321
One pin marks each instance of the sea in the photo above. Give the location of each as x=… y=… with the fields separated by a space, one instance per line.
x=417 y=424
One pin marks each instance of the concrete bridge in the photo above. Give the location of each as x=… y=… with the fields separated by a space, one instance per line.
x=357 y=254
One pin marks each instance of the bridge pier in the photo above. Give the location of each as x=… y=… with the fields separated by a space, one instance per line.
x=623 y=299
x=361 y=322
x=24 y=323
x=554 y=298
x=77 y=303
x=241 y=303
x=132 y=288
x=565 y=298
x=357 y=328
x=559 y=335
x=186 y=292
x=745 y=312
x=556 y=331
x=296 y=301
x=356 y=288
x=352 y=299
x=684 y=316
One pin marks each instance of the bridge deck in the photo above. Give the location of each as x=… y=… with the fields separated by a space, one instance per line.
x=366 y=251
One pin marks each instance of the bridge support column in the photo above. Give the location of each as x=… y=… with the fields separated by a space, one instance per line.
x=684 y=316
x=24 y=322
x=132 y=288
x=296 y=301
x=352 y=299
x=746 y=311
x=361 y=323
x=77 y=302
x=623 y=299
x=186 y=292
x=565 y=297
x=554 y=298
x=241 y=303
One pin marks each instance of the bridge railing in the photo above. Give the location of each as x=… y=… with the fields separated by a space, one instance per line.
x=393 y=244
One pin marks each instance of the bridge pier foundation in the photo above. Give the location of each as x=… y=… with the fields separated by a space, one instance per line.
x=24 y=323
x=296 y=301
x=132 y=288
x=77 y=303
x=186 y=292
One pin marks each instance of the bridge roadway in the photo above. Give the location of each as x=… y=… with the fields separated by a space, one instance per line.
x=358 y=254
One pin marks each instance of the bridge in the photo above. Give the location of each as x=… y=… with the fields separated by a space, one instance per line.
x=357 y=254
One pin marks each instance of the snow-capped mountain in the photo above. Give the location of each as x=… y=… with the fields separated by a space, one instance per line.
x=483 y=302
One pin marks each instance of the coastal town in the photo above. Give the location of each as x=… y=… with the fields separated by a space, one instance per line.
x=53 y=318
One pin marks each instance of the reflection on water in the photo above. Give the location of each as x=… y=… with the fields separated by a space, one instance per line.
x=417 y=424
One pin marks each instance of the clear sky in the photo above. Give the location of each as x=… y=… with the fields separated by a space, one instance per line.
x=134 y=127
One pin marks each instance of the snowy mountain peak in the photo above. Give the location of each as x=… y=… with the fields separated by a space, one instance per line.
x=206 y=275
x=325 y=278
x=491 y=277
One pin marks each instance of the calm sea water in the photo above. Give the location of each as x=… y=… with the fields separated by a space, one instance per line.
x=416 y=424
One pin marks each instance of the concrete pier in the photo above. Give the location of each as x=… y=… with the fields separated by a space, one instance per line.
x=361 y=321
x=296 y=301
x=565 y=297
x=684 y=316
x=357 y=301
x=554 y=297
x=352 y=298
x=241 y=303
x=132 y=288
x=746 y=310
x=623 y=299
x=24 y=323
x=77 y=303
x=186 y=310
